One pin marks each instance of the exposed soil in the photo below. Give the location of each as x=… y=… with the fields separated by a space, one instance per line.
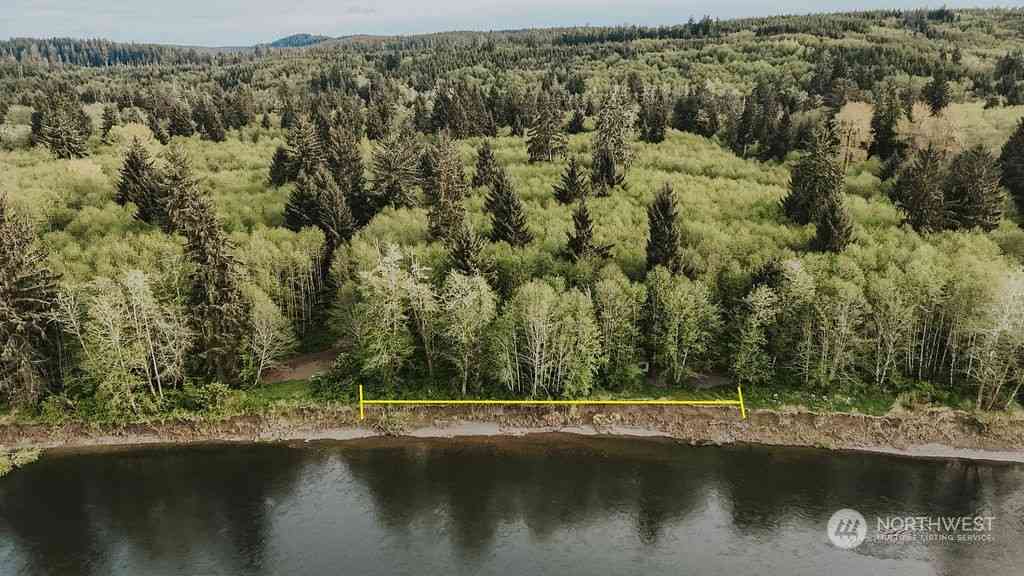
x=934 y=433
x=302 y=367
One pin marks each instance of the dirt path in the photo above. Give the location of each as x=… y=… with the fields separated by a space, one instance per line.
x=301 y=367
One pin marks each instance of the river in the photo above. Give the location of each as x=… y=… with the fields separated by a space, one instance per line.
x=550 y=504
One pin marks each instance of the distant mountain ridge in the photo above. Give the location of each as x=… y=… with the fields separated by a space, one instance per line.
x=298 y=41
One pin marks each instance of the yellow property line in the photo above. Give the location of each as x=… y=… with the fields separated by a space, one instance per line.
x=738 y=402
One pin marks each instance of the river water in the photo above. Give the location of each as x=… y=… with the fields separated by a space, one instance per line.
x=552 y=504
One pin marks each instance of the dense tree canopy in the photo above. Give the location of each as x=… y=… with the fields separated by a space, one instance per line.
x=555 y=212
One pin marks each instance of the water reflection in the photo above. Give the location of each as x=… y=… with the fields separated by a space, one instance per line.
x=531 y=505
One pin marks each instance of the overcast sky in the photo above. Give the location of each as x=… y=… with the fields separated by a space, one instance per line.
x=247 y=22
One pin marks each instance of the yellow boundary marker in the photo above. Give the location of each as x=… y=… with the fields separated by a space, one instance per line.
x=738 y=402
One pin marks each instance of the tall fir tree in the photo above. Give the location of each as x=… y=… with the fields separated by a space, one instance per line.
x=180 y=122
x=141 y=184
x=815 y=178
x=334 y=218
x=545 y=140
x=663 y=241
x=508 y=219
x=344 y=160
x=581 y=242
x=109 y=120
x=834 y=225
x=444 y=187
x=466 y=252
x=685 y=112
x=573 y=185
x=62 y=132
x=209 y=120
x=302 y=208
x=937 y=92
x=486 y=165
x=973 y=195
x=395 y=169
x=742 y=137
x=305 y=148
x=654 y=115
x=885 y=118
x=379 y=111
x=288 y=114
x=612 y=154
x=421 y=114
x=920 y=190
x=578 y=117
x=283 y=169
x=1011 y=159
x=28 y=302
x=219 y=313
x=156 y=129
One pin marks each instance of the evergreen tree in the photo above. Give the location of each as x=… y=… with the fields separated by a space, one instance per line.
x=743 y=137
x=685 y=112
x=578 y=118
x=395 y=169
x=288 y=114
x=780 y=144
x=938 y=93
x=421 y=116
x=180 y=123
x=158 y=132
x=444 y=187
x=663 y=241
x=1011 y=159
x=28 y=300
x=815 y=178
x=302 y=209
x=885 y=118
x=486 y=165
x=466 y=252
x=141 y=185
x=545 y=139
x=379 y=112
x=319 y=201
x=508 y=219
x=574 y=185
x=110 y=119
x=219 y=312
x=344 y=161
x=611 y=153
x=305 y=148
x=654 y=115
x=282 y=168
x=581 y=242
x=334 y=218
x=919 y=190
x=60 y=123
x=322 y=119
x=834 y=225
x=209 y=120
x=973 y=196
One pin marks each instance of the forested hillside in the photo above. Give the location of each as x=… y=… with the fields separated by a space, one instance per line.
x=813 y=206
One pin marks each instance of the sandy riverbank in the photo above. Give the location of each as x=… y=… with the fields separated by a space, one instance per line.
x=935 y=433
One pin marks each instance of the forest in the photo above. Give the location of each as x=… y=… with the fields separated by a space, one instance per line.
x=821 y=208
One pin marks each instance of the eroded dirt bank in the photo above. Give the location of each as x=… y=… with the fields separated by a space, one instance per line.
x=938 y=433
